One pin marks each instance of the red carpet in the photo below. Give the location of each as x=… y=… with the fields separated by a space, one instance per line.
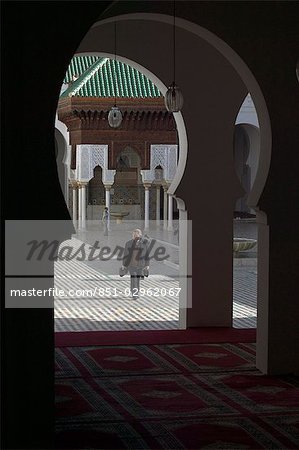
x=195 y=335
x=172 y=396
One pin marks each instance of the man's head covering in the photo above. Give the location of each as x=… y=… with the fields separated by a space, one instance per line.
x=137 y=233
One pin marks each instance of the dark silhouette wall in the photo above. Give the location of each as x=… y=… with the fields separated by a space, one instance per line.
x=38 y=41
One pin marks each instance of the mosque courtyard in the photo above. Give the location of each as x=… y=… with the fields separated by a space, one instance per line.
x=96 y=298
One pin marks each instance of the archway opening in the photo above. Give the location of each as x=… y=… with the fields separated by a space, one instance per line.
x=209 y=241
x=127 y=194
x=129 y=171
x=245 y=244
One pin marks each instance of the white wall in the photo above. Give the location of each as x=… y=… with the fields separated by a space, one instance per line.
x=247 y=113
x=64 y=157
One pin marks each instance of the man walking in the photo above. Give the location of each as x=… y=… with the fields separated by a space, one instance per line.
x=136 y=260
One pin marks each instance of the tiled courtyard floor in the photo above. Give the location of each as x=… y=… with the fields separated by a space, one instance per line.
x=99 y=299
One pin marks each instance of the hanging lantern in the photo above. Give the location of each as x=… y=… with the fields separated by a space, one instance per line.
x=174 y=98
x=115 y=117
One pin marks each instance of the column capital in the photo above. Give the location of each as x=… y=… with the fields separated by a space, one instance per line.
x=73 y=184
x=82 y=184
x=147 y=185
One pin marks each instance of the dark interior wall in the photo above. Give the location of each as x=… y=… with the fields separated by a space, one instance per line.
x=38 y=40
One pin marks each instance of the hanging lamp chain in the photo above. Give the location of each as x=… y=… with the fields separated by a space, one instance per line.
x=174 y=43
x=114 y=115
x=114 y=78
x=174 y=98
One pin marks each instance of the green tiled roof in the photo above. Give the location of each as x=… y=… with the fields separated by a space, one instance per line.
x=99 y=76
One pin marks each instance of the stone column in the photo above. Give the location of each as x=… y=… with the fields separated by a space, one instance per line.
x=107 y=196
x=75 y=202
x=83 y=206
x=158 y=206
x=79 y=204
x=170 y=213
x=165 y=207
x=146 y=206
x=107 y=203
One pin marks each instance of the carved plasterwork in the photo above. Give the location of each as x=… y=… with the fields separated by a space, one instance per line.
x=164 y=156
x=172 y=162
x=90 y=156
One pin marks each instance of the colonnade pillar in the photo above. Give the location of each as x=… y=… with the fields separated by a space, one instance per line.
x=75 y=202
x=158 y=205
x=107 y=196
x=170 y=213
x=146 y=206
x=79 y=204
x=83 y=205
x=165 y=207
x=107 y=202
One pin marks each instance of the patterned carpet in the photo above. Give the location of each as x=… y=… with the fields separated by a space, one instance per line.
x=172 y=396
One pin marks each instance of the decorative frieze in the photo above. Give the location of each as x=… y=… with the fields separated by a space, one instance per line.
x=92 y=114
